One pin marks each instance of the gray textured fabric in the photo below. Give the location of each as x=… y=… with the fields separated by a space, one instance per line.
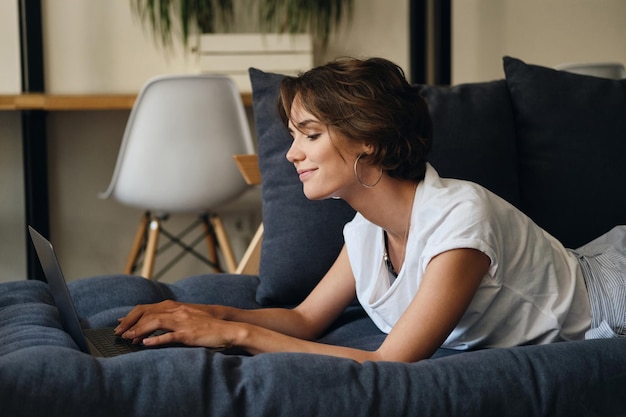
x=53 y=378
x=603 y=262
x=571 y=137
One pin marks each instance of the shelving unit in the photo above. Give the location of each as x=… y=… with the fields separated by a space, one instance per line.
x=76 y=102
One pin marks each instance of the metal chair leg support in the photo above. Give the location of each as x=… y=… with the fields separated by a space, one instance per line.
x=146 y=243
x=186 y=249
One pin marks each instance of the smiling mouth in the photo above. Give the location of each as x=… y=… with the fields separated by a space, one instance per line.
x=303 y=174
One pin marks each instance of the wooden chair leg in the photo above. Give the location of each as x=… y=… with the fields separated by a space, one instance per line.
x=224 y=243
x=151 y=247
x=251 y=259
x=211 y=244
x=138 y=243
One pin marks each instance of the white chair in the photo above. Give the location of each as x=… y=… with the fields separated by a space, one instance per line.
x=176 y=157
x=613 y=70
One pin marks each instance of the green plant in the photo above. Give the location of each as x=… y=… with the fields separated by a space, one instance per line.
x=317 y=17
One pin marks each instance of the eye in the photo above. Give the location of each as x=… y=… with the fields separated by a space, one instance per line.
x=314 y=136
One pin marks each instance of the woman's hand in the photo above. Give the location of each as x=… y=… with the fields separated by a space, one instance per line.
x=189 y=324
x=255 y=331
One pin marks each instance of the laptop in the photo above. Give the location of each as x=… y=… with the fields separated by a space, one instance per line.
x=101 y=342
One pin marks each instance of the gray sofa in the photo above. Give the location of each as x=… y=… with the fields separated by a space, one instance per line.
x=550 y=142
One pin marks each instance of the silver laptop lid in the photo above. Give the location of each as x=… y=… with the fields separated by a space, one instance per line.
x=58 y=288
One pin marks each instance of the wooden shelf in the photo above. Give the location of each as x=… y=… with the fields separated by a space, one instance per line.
x=60 y=102
x=55 y=102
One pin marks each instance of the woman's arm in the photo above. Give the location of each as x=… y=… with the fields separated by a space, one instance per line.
x=448 y=286
x=306 y=321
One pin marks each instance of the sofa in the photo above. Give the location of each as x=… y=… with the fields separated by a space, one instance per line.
x=550 y=142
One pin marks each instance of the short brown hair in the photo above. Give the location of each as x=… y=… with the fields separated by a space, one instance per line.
x=369 y=101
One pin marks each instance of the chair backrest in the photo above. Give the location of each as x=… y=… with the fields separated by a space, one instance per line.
x=612 y=70
x=176 y=153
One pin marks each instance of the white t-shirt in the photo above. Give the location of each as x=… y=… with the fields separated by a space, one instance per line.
x=533 y=293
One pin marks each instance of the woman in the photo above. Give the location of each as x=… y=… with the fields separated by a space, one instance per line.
x=434 y=262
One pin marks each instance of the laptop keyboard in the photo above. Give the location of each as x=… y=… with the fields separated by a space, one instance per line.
x=105 y=341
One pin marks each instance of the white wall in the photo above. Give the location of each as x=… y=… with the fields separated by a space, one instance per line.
x=543 y=32
x=379 y=28
x=96 y=46
x=9 y=48
x=12 y=231
x=104 y=48
x=12 y=237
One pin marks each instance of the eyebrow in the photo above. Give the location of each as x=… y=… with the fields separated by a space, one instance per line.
x=301 y=125
x=305 y=123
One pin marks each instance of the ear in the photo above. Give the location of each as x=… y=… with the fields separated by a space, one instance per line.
x=367 y=149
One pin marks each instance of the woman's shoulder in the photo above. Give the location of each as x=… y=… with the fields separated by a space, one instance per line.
x=464 y=207
x=359 y=223
x=453 y=195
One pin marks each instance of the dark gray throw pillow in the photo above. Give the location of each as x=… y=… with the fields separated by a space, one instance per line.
x=572 y=143
x=301 y=238
x=474 y=135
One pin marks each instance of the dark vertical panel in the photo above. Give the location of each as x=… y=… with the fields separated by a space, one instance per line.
x=430 y=39
x=442 y=41
x=34 y=130
x=418 y=10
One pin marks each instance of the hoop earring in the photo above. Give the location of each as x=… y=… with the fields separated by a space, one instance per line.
x=358 y=177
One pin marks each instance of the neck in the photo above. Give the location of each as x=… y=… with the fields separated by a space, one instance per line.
x=396 y=243
x=388 y=205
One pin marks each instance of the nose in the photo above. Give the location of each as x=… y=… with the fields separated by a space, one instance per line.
x=294 y=154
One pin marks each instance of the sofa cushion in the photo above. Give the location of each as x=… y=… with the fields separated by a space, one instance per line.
x=44 y=374
x=301 y=238
x=572 y=141
x=474 y=135
x=101 y=300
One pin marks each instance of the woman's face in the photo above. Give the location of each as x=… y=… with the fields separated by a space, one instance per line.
x=325 y=169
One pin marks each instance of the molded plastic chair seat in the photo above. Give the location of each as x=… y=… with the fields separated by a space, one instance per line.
x=612 y=70
x=176 y=157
